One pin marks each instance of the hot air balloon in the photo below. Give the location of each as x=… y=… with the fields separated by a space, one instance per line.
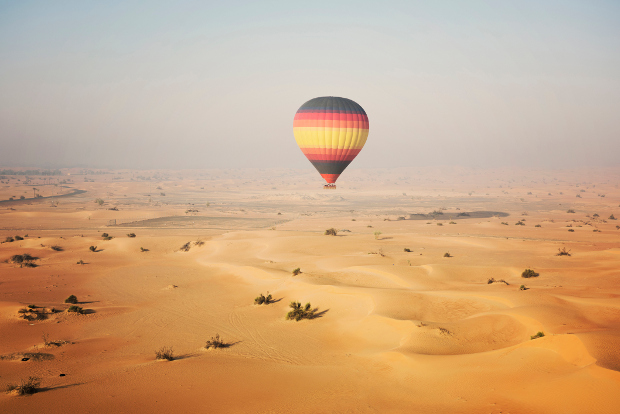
x=330 y=131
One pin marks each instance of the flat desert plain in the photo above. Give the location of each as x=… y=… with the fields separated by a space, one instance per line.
x=419 y=301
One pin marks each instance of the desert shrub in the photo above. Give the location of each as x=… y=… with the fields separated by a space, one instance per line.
x=595 y=215
x=538 y=225
x=186 y=247
x=104 y=235
x=9 y=239
x=142 y=249
x=407 y=250
x=108 y=238
x=570 y=210
x=571 y=230
x=522 y=287
x=519 y=223
x=93 y=248
x=447 y=254
x=29 y=264
x=436 y=213
x=72 y=299
x=331 y=232
x=298 y=312
x=56 y=248
x=538 y=335
x=21 y=238
x=99 y=201
x=504 y=223
x=24 y=260
x=22 y=197
x=463 y=215
x=612 y=217
x=563 y=252
x=440 y=224
x=452 y=222
x=165 y=352
x=296 y=271
x=199 y=243
x=216 y=342
x=377 y=234
x=527 y=273
x=263 y=300
x=26 y=387
x=131 y=235
x=75 y=309
x=80 y=262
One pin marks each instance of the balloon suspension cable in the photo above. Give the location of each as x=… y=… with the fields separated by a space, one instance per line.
x=329 y=186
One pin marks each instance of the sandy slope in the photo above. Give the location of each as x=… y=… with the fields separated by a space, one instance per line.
x=397 y=332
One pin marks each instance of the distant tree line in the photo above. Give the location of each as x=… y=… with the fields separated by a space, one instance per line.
x=30 y=172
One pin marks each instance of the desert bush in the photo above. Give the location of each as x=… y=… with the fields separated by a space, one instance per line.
x=131 y=234
x=452 y=222
x=436 y=213
x=24 y=260
x=504 y=223
x=263 y=300
x=612 y=217
x=538 y=225
x=216 y=342
x=447 y=254
x=165 y=352
x=108 y=238
x=298 y=312
x=331 y=232
x=56 y=248
x=440 y=224
x=9 y=239
x=538 y=335
x=26 y=387
x=522 y=287
x=595 y=215
x=570 y=210
x=21 y=238
x=93 y=248
x=75 y=309
x=527 y=273
x=104 y=235
x=377 y=234
x=142 y=249
x=407 y=250
x=72 y=299
x=80 y=262
x=296 y=271
x=199 y=243
x=99 y=201
x=186 y=247
x=563 y=252
x=463 y=215
x=519 y=223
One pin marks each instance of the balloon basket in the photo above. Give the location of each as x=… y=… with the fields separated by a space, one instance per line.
x=329 y=186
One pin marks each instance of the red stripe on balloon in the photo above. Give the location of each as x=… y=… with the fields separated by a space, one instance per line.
x=330 y=154
x=330 y=178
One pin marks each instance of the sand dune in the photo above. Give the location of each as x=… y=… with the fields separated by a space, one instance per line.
x=396 y=331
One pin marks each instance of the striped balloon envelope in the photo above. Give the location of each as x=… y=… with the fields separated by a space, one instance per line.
x=330 y=131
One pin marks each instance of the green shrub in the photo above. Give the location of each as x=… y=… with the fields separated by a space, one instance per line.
x=26 y=387
x=165 y=352
x=75 y=309
x=538 y=335
x=522 y=287
x=296 y=271
x=527 y=273
x=377 y=234
x=298 y=312
x=72 y=299
x=263 y=300
x=331 y=232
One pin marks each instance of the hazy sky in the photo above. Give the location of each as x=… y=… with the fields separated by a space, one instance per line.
x=200 y=84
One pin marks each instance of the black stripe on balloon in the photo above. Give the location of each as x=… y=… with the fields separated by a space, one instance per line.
x=330 y=167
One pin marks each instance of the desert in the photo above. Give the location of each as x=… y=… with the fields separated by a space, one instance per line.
x=418 y=302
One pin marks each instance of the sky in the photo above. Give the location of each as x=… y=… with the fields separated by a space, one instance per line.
x=214 y=84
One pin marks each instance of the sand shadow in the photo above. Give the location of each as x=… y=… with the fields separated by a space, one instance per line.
x=86 y=303
x=58 y=387
x=275 y=300
x=320 y=314
x=88 y=311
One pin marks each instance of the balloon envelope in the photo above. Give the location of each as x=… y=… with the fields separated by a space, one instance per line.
x=330 y=131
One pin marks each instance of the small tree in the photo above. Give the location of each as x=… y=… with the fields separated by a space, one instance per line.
x=72 y=299
x=99 y=201
x=377 y=234
x=263 y=300
x=75 y=309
